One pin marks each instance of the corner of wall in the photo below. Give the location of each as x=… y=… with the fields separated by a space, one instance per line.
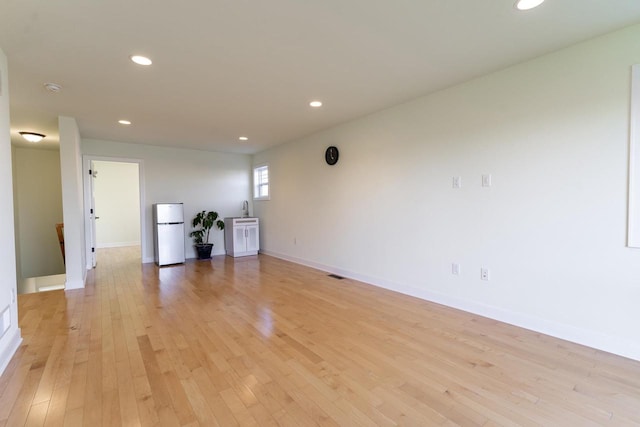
x=11 y=344
x=11 y=339
x=72 y=202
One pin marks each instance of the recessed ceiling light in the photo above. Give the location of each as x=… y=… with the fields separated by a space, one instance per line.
x=243 y=138
x=141 y=60
x=315 y=104
x=528 y=4
x=32 y=136
x=124 y=122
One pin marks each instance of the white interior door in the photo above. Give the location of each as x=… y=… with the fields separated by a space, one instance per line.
x=92 y=215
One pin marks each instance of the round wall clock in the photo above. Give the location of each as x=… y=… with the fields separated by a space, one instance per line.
x=331 y=155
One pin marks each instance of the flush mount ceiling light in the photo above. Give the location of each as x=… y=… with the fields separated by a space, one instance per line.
x=124 y=122
x=315 y=104
x=243 y=138
x=527 y=4
x=32 y=136
x=141 y=60
x=53 y=87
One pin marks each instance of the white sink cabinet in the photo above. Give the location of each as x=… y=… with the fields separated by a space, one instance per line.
x=241 y=236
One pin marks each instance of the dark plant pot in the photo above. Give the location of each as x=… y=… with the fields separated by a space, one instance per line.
x=204 y=250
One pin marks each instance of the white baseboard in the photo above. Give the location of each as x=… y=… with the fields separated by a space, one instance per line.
x=13 y=342
x=563 y=331
x=73 y=284
x=149 y=260
x=117 y=244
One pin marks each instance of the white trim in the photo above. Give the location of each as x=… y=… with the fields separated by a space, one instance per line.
x=213 y=253
x=253 y=181
x=86 y=163
x=86 y=194
x=117 y=245
x=75 y=284
x=633 y=221
x=10 y=349
x=559 y=330
x=218 y=252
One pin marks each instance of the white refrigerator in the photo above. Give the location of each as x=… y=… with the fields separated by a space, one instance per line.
x=168 y=233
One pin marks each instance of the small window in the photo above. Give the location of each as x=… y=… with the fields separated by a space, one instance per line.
x=261 y=182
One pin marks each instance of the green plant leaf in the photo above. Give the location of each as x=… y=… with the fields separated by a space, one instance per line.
x=205 y=221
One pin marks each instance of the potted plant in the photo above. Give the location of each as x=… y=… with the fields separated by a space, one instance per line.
x=203 y=222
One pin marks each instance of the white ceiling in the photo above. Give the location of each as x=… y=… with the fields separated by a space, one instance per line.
x=226 y=68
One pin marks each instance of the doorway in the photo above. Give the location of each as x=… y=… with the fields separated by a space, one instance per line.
x=37 y=209
x=114 y=214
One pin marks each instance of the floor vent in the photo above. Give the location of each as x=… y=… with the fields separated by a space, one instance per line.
x=335 y=276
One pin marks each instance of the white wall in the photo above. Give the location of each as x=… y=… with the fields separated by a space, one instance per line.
x=117 y=204
x=199 y=179
x=38 y=208
x=72 y=202
x=553 y=132
x=10 y=335
x=633 y=233
x=16 y=217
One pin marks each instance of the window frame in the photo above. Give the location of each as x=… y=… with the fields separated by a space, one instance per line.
x=256 y=169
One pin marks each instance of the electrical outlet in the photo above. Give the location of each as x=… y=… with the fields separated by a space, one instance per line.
x=484 y=273
x=457 y=182
x=455 y=269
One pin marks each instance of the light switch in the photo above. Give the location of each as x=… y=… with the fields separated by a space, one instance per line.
x=457 y=182
x=6 y=320
x=486 y=180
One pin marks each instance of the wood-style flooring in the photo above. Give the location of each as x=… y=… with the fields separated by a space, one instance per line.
x=259 y=341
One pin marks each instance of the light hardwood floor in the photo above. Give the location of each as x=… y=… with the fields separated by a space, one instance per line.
x=262 y=342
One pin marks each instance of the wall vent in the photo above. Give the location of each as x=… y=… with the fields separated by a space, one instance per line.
x=335 y=276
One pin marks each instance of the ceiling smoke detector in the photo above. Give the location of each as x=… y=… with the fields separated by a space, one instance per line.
x=53 y=87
